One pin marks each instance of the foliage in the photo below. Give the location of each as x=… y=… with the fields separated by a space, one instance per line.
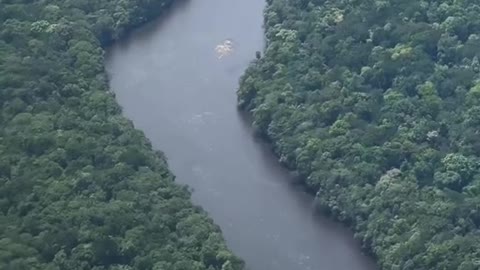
x=80 y=188
x=376 y=104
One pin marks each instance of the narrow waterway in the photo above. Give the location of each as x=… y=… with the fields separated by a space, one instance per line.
x=170 y=81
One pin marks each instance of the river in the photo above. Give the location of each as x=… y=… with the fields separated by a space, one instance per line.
x=169 y=80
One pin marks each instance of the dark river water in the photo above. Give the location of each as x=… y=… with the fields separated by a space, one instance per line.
x=168 y=78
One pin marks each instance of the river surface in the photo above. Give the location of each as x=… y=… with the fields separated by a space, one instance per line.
x=170 y=81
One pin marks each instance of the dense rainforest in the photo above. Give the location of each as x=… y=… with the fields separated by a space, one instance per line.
x=80 y=188
x=376 y=105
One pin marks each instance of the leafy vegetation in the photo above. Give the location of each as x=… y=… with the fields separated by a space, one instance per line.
x=376 y=104
x=80 y=188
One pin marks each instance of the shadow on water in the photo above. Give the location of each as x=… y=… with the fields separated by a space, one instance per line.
x=289 y=178
x=144 y=32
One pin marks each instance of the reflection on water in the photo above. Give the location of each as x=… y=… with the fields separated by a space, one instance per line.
x=224 y=49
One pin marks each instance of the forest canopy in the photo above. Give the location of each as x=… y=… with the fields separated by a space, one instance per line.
x=80 y=188
x=376 y=105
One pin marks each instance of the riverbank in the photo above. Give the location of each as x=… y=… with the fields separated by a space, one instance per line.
x=359 y=99
x=184 y=99
x=80 y=187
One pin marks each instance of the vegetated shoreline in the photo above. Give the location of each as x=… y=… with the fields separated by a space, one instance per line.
x=299 y=181
x=80 y=187
x=109 y=38
x=411 y=196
